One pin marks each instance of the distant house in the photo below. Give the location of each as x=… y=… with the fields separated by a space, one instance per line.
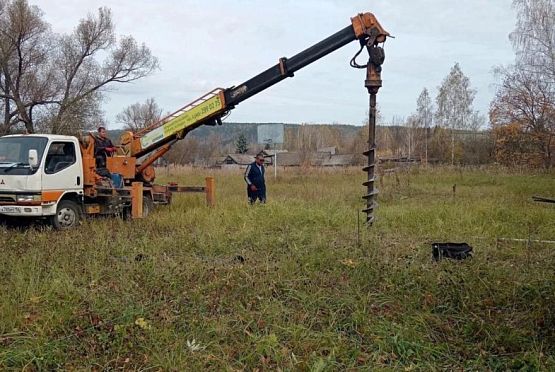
x=289 y=159
x=331 y=150
x=398 y=159
x=294 y=159
x=215 y=162
x=317 y=159
x=343 y=160
x=238 y=159
x=270 y=154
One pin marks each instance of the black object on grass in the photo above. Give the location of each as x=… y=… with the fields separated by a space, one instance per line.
x=455 y=251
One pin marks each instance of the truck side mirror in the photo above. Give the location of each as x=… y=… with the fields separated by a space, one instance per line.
x=33 y=158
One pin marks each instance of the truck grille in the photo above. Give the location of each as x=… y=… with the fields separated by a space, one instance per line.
x=7 y=198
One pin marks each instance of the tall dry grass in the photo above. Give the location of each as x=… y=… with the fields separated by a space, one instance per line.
x=290 y=284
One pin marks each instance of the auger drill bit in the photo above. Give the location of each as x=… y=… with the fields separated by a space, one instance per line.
x=373 y=83
x=372 y=36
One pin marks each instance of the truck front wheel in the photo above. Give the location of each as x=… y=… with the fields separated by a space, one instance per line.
x=68 y=215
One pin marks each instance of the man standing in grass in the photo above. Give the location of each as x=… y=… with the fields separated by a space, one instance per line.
x=254 y=176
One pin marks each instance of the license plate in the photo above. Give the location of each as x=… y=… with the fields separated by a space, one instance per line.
x=10 y=209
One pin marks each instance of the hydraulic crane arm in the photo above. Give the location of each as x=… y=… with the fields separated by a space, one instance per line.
x=359 y=29
x=209 y=109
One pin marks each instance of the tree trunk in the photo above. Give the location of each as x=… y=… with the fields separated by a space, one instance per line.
x=452 y=147
x=410 y=140
x=426 y=147
x=547 y=154
x=5 y=128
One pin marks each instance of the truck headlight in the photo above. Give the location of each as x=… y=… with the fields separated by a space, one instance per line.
x=28 y=198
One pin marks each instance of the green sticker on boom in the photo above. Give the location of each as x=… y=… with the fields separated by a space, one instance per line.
x=188 y=118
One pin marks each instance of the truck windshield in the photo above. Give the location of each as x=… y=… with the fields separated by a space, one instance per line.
x=14 y=153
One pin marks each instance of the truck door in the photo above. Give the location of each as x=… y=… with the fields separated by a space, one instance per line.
x=62 y=168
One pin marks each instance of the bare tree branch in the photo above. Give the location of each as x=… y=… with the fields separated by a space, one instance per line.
x=55 y=82
x=140 y=115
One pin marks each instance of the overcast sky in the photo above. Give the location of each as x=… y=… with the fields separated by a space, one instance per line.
x=202 y=45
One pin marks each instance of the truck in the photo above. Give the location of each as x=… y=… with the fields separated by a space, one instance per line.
x=59 y=178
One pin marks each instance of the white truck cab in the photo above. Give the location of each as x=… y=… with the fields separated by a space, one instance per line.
x=41 y=176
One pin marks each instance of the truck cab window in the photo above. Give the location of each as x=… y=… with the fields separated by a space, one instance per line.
x=60 y=156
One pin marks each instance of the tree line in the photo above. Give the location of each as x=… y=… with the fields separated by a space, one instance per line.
x=522 y=114
x=521 y=130
x=56 y=83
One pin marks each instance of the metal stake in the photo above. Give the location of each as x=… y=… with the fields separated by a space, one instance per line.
x=358 y=229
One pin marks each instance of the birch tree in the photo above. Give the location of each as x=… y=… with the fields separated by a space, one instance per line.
x=534 y=37
x=525 y=98
x=454 y=104
x=424 y=113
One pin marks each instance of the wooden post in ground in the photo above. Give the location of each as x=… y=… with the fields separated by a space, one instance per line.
x=137 y=200
x=210 y=191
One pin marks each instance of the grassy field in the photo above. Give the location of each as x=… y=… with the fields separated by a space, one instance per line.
x=290 y=285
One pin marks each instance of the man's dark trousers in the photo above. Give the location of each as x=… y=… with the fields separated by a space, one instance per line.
x=258 y=194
